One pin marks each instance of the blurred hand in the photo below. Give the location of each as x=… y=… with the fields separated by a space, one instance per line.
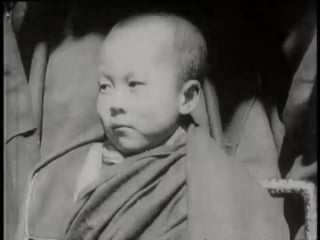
x=300 y=171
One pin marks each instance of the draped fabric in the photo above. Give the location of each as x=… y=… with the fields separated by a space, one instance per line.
x=62 y=84
x=178 y=192
x=298 y=157
x=70 y=96
x=21 y=149
x=143 y=191
x=18 y=111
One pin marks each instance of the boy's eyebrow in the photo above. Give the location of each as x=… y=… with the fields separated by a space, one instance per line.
x=105 y=75
x=128 y=76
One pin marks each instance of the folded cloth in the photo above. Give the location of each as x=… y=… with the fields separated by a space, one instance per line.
x=191 y=191
x=69 y=106
x=19 y=117
x=105 y=153
x=21 y=149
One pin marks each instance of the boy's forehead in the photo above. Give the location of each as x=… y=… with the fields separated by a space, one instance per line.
x=148 y=26
x=140 y=48
x=143 y=37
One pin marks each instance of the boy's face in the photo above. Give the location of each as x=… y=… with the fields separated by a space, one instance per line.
x=139 y=90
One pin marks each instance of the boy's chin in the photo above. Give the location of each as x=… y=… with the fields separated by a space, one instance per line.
x=130 y=147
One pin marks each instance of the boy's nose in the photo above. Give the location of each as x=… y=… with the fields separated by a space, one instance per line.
x=114 y=111
x=118 y=101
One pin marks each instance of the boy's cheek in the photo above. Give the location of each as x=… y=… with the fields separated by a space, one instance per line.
x=104 y=120
x=102 y=110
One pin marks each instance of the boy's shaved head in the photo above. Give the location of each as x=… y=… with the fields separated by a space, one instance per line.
x=150 y=71
x=188 y=41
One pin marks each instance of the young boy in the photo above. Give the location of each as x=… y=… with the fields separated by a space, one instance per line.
x=158 y=174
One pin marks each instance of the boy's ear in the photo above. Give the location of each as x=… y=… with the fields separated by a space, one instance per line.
x=189 y=97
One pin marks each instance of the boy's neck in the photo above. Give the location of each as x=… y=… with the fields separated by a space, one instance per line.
x=178 y=137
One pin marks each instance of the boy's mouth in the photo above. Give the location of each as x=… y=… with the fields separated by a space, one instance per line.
x=115 y=127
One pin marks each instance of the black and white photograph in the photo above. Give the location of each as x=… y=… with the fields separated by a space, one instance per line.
x=160 y=120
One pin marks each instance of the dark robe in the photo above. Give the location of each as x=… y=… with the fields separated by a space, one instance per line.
x=177 y=192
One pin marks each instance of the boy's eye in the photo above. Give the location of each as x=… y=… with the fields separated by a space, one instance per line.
x=133 y=84
x=103 y=86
